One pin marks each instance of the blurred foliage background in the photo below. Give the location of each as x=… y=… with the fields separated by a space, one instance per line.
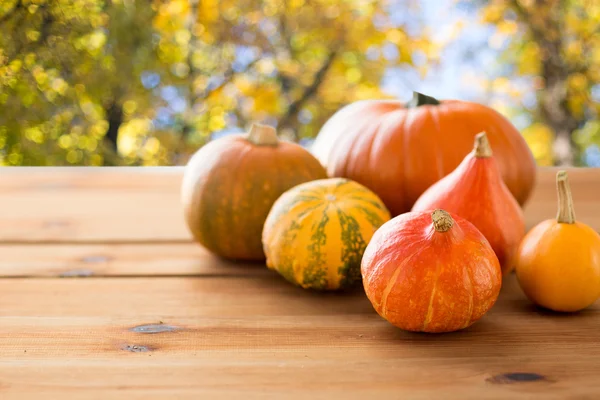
x=147 y=82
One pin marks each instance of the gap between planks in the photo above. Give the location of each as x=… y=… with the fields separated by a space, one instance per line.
x=96 y=336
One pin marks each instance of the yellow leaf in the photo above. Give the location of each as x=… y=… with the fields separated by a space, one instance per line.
x=539 y=138
x=492 y=13
x=576 y=104
x=74 y=156
x=151 y=146
x=96 y=160
x=296 y=3
x=507 y=27
x=216 y=122
x=35 y=134
x=529 y=59
x=129 y=106
x=266 y=66
x=578 y=82
x=65 y=141
x=396 y=36
x=574 y=49
x=60 y=86
x=266 y=98
x=353 y=75
x=501 y=83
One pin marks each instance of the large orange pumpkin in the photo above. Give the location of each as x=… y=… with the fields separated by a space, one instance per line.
x=230 y=185
x=399 y=150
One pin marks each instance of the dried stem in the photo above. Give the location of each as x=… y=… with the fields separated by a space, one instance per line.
x=442 y=221
x=482 y=147
x=566 y=211
x=263 y=135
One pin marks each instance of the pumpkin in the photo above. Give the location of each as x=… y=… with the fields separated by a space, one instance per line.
x=316 y=232
x=558 y=262
x=230 y=184
x=399 y=150
x=430 y=272
x=475 y=191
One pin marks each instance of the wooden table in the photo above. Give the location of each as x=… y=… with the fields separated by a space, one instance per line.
x=103 y=295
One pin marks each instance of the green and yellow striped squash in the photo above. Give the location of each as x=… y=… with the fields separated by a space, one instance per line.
x=316 y=232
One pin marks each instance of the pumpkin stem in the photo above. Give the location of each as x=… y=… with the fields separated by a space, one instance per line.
x=442 y=221
x=262 y=135
x=419 y=99
x=566 y=211
x=482 y=146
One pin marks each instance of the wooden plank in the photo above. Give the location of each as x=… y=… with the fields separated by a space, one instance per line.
x=85 y=260
x=585 y=187
x=260 y=337
x=143 y=204
x=91 y=204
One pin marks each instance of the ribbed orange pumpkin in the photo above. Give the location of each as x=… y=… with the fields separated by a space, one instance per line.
x=399 y=150
x=231 y=183
x=430 y=272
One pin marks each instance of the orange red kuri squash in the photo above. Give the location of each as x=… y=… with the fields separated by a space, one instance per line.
x=399 y=150
x=476 y=192
x=430 y=272
x=230 y=184
x=558 y=262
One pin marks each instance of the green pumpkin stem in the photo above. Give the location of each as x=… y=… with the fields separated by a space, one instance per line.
x=566 y=211
x=420 y=99
x=262 y=135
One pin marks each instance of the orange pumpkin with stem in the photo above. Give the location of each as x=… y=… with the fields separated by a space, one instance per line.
x=231 y=183
x=475 y=191
x=398 y=150
x=430 y=272
x=558 y=262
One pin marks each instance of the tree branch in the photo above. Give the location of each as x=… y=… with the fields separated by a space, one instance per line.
x=537 y=34
x=47 y=22
x=227 y=78
x=21 y=46
x=114 y=116
x=553 y=105
x=308 y=92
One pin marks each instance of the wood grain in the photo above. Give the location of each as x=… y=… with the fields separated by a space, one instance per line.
x=255 y=336
x=147 y=314
x=91 y=204
x=115 y=259
x=51 y=205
